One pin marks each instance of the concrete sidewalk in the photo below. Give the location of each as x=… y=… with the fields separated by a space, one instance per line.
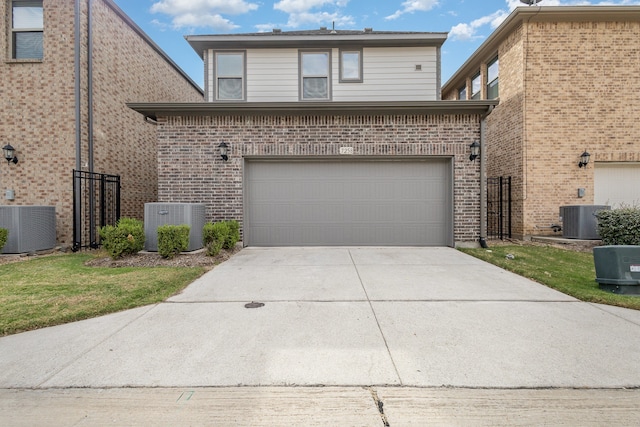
x=423 y=317
x=394 y=321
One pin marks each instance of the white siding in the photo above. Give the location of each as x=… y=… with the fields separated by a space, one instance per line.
x=389 y=74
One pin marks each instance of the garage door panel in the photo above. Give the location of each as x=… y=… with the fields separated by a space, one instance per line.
x=616 y=184
x=348 y=203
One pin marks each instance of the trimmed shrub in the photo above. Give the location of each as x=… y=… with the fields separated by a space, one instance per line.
x=215 y=236
x=126 y=238
x=172 y=239
x=619 y=226
x=4 y=235
x=234 y=234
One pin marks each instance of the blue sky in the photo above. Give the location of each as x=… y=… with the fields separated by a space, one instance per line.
x=468 y=22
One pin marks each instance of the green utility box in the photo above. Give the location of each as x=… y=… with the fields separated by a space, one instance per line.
x=618 y=268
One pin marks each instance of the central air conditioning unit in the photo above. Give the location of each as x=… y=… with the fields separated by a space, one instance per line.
x=31 y=228
x=579 y=221
x=157 y=214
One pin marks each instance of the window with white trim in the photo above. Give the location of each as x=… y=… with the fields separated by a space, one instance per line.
x=230 y=76
x=476 y=86
x=27 y=24
x=351 y=66
x=492 y=79
x=315 y=80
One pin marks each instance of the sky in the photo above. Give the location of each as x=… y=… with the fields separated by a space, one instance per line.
x=468 y=22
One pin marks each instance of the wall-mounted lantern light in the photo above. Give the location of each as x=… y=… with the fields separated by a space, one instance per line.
x=475 y=151
x=584 y=159
x=224 y=151
x=10 y=154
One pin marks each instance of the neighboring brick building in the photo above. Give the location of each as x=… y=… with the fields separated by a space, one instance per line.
x=38 y=102
x=334 y=138
x=567 y=82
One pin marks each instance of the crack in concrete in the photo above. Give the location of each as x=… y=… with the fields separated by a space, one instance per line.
x=380 y=406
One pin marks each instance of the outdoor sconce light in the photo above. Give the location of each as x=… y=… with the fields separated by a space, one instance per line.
x=10 y=154
x=475 y=151
x=224 y=150
x=584 y=159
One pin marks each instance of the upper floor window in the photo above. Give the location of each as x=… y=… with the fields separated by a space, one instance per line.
x=476 y=86
x=492 y=79
x=314 y=75
x=230 y=76
x=27 y=25
x=351 y=66
x=462 y=92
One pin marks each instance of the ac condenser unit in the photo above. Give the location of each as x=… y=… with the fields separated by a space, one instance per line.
x=579 y=221
x=157 y=214
x=31 y=228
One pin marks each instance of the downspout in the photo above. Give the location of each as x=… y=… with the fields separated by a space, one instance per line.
x=90 y=84
x=77 y=198
x=483 y=178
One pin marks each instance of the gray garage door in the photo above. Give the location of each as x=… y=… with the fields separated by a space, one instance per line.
x=348 y=203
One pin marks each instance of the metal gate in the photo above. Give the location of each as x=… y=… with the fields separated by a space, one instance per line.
x=499 y=208
x=96 y=203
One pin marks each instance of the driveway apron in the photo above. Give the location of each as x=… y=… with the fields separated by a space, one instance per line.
x=418 y=317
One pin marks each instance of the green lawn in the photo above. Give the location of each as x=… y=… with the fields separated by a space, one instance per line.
x=570 y=272
x=59 y=289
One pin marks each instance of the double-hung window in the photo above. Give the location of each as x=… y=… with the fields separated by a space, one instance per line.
x=462 y=92
x=27 y=25
x=315 y=82
x=351 y=65
x=230 y=76
x=476 y=86
x=492 y=80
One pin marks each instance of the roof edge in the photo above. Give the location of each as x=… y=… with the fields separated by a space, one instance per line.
x=156 y=110
x=151 y=43
x=539 y=13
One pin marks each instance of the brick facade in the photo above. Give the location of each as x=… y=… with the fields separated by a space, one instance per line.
x=190 y=169
x=568 y=83
x=37 y=109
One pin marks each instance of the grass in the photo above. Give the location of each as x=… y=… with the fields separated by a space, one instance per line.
x=58 y=289
x=569 y=272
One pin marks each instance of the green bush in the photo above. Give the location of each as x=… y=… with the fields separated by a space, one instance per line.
x=234 y=234
x=172 y=239
x=127 y=237
x=619 y=226
x=4 y=235
x=215 y=236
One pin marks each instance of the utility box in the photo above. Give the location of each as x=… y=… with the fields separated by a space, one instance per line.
x=579 y=221
x=157 y=214
x=31 y=228
x=618 y=268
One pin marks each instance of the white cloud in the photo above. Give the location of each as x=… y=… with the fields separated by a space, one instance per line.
x=301 y=12
x=469 y=31
x=411 y=6
x=203 y=13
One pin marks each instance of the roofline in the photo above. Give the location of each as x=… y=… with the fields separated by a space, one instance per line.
x=281 y=40
x=151 y=43
x=155 y=110
x=489 y=48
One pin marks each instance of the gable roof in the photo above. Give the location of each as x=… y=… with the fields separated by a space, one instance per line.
x=323 y=37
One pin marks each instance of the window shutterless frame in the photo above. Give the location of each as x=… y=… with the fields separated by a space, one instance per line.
x=351 y=66
x=462 y=92
x=27 y=26
x=476 y=86
x=229 y=68
x=315 y=75
x=492 y=79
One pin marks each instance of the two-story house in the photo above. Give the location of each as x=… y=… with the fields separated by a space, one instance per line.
x=567 y=83
x=69 y=67
x=325 y=137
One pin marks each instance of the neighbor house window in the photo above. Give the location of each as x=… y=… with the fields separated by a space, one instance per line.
x=476 y=86
x=27 y=24
x=462 y=92
x=351 y=66
x=229 y=78
x=314 y=75
x=492 y=79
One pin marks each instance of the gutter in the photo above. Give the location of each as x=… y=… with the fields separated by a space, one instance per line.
x=483 y=177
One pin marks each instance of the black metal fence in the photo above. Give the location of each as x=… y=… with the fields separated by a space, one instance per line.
x=499 y=208
x=96 y=203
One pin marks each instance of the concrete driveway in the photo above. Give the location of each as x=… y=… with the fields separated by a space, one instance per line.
x=418 y=317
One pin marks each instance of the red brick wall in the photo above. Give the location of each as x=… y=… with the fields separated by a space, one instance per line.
x=190 y=169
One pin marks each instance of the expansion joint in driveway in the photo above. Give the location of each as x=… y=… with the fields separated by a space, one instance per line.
x=380 y=405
